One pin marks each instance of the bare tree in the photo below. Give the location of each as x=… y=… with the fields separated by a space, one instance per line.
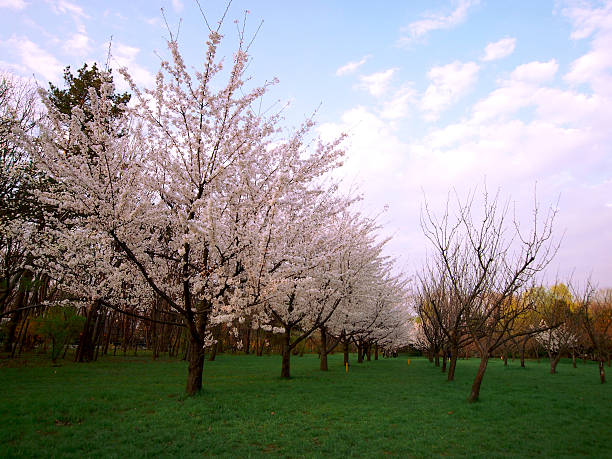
x=487 y=261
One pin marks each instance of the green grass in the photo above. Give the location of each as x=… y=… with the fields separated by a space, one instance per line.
x=135 y=407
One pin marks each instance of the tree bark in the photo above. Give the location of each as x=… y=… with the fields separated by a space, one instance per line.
x=444 y=361
x=475 y=393
x=85 y=350
x=452 y=364
x=346 y=351
x=376 y=352
x=323 y=364
x=574 y=358
x=602 y=371
x=196 y=366
x=359 y=352
x=554 y=360
x=285 y=368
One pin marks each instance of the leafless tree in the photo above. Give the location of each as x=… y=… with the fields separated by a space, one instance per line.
x=487 y=261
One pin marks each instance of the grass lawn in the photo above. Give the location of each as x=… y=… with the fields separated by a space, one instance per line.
x=135 y=407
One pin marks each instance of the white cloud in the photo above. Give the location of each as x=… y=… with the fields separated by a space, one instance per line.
x=125 y=56
x=66 y=7
x=587 y=20
x=536 y=72
x=350 y=67
x=376 y=83
x=79 y=44
x=436 y=21
x=499 y=49
x=13 y=4
x=34 y=58
x=448 y=84
x=399 y=105
x=595 y=67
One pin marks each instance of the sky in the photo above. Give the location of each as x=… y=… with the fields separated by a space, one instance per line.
x=437 y=98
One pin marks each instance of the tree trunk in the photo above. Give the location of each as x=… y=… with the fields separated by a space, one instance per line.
x=523 y=345
x=323 y=365
x=452 y=364
x=346 y=351
x=574 y=358
x=437 y=359
x=359 y=352
x=376 y=352
x=474 y=394
x=85 y=350
x=368 y=351
x=196 y=366
x=248 y=340
x=602 y=371
x=444 y=361
x=505 y=355
x=285 y=368
x=554 y=360
x=213 y=353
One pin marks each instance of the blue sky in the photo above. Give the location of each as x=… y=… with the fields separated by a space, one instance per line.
x=435 y=95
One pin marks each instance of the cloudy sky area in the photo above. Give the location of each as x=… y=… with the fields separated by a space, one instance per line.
x=434 y=95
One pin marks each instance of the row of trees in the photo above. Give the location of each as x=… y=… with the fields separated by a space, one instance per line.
x=477 y=293
x=184 y=206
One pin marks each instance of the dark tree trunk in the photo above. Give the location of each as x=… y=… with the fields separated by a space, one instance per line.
x=85 y=349
x=368 y=351
x=602 y=371
x=554 y=360
x=359 y=352
x=345 y=348
x=376 y=352
x=523 y=345
x=505 y=356
x=574 y=358
x=213 y=353
x=452 y=364
x=15 y=319
x=323 y=365
x=248 y=340
x=444 y=361
x=437 y=359
x=475 y=393
x=196 y=366
x=285 y=368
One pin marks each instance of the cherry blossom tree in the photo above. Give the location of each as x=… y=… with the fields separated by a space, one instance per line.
x=175 y=207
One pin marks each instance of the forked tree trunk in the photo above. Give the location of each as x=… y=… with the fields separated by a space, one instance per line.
x=285 y=367
x=196 y=366
x=602 y=371
x=323 y=364
x=475 y=393
x=85 y=349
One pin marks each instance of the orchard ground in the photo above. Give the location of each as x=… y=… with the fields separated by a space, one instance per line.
x=135 y=406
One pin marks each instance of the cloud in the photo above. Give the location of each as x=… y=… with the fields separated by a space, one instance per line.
x=595 y=67
x=78 y=44
x=350 y=67
x=34 y=58
x=535 y=72
x=399 y=105
x=499 y=49
x=436 y=21
x=376 y=83
x=587 y=20
x=125 y=56
x=13 y=4
x=66 y=7
x=448 y=84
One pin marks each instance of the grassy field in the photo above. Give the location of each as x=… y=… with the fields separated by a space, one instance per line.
x=134 y=407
